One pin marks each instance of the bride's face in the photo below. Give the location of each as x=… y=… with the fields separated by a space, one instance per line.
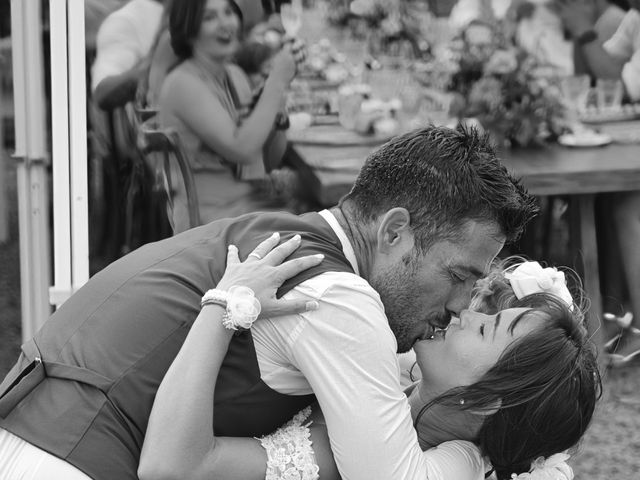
x=470 y=347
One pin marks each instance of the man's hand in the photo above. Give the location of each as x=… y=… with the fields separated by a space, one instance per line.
x=578 y=16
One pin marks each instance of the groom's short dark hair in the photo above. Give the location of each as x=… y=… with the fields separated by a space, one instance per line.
x=443 y=177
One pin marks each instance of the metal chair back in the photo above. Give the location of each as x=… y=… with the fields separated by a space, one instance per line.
x=162 y=146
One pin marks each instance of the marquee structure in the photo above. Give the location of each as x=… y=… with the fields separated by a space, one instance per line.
x=69 y=259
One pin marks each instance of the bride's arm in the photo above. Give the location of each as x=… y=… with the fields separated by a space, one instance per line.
x=179 y=441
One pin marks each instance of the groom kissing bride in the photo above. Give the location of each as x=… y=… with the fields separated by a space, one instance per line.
x=426 y=217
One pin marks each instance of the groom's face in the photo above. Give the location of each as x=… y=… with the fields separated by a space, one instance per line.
x=423 y=290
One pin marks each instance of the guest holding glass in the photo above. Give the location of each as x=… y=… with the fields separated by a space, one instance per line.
x=618 y=58
x=203 y=99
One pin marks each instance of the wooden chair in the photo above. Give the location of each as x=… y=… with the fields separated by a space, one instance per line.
x=164 y=152
x=143 y=217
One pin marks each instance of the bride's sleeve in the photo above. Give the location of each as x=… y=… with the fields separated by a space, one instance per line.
x=457 y=459
x=290 y=452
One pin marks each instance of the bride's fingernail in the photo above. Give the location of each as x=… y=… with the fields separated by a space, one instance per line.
x=296 y=238
x=232 y=247
x=275 y=235
x=312 y=305
x=319 y=256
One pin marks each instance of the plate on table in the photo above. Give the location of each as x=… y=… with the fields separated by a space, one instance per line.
x=622 y=132
x=591 y=139
x=326 y=119
x=334 y=135
x=620 y=114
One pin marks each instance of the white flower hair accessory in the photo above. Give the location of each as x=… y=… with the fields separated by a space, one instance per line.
x=553 y=468
x=529 y=278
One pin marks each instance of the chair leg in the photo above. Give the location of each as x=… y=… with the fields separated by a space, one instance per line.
x=129 y=210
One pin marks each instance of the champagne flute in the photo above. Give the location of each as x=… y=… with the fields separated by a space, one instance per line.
x=291 y=17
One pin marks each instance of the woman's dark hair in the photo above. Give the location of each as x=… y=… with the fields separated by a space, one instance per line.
x=546 y=383
x=443 y=177
x=185 y=20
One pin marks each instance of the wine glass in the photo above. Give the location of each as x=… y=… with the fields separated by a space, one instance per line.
x=291 y=17
x=575 y=91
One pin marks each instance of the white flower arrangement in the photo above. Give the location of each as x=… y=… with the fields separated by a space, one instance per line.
x=553 y=468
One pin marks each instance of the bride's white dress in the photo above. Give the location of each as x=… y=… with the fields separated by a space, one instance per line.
x=290 y=455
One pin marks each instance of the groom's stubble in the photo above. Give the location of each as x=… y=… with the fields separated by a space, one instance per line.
x=399 y=292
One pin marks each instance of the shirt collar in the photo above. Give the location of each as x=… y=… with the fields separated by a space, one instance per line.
x=347 y=249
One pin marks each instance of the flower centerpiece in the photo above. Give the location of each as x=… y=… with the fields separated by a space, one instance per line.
x=388 y=26
x=500 y=86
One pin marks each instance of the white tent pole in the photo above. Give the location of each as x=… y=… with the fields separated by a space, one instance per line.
x=78 y=139
x=31 y=172
x=69 y=125
x=60 y=153
x=4 y=207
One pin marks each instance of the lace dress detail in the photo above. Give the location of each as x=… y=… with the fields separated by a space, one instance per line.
x=289 y=452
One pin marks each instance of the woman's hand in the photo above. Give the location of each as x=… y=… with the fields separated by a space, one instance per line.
x=286 y=62
x=264 y=272
x=298 y=50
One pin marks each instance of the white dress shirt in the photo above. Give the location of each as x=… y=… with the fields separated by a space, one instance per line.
x=345 y=353
x=625 y=45
x=125 y=38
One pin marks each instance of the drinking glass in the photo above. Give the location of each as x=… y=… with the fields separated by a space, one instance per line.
x=350 y=98
x=575 y=94
x=609 y=93
x=291 y=17
x=575 y=90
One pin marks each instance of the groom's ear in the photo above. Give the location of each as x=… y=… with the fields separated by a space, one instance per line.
x=395 y=232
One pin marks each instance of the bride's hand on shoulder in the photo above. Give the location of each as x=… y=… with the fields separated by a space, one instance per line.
x=265 y=270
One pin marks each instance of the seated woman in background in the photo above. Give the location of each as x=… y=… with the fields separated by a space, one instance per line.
x=203 y=99
x=513 y=380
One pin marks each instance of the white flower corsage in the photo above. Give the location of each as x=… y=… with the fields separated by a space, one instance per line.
x=553 y=468
x=529 y=278
x=243 y=308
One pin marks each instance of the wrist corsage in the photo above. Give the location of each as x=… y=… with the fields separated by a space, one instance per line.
x=241 y=306
x=553 y=468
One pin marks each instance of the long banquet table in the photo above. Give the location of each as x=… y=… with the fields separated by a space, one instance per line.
x=329 y=172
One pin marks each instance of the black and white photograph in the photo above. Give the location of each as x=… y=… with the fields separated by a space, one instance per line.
x=319 y=239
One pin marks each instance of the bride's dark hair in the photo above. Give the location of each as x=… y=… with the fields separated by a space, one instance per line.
x=546 y=383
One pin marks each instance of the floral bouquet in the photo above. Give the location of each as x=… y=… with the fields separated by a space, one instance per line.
x=501 y=88
x=388 y=26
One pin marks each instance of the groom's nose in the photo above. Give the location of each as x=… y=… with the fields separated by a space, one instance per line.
x=459 y=300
